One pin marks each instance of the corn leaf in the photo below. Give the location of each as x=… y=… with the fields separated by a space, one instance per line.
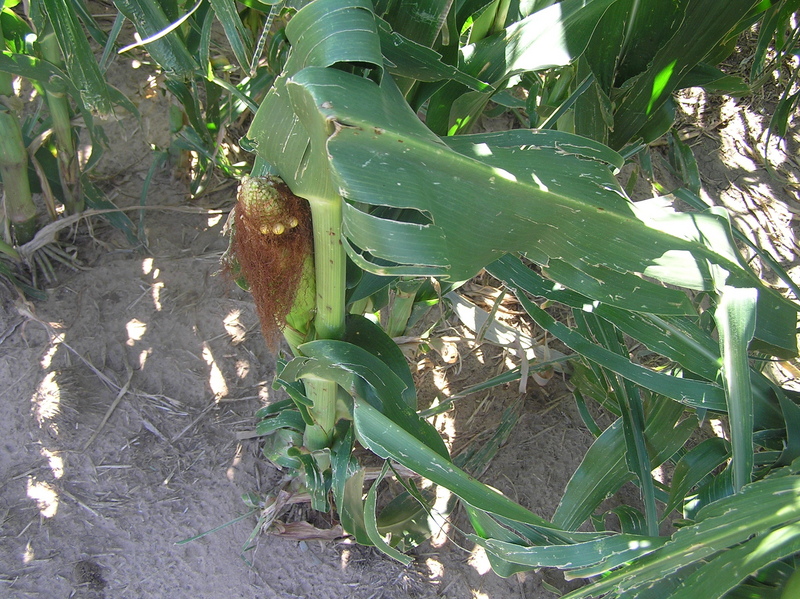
x=552 y=36
x=96 y=199
x=632 y=412
x=791 y=416
x=405 y=57
x=703 y=23
x=388 y=440
x=759 y=506
x=78 y=55
x=736 y=318
x=168 y=49
x=693 y=467
x=603 y=469
x=335 y=32
x=238 y=38
x=365 y=375
x=342 y=133
x=290 y=419
x=727 y=570
x=381 y=155
x=678 y=338
x=487 y=528
x=693 y=393
x=318 y=482
x=367 y=335
x=371 y=522
x=406 y=517
x=604 y=553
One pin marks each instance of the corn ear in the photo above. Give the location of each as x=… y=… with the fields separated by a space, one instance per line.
x=300 y=320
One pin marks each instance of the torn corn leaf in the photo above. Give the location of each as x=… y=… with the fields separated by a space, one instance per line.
x=553 y=196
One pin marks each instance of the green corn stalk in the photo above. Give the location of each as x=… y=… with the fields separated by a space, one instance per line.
x=402 y=305
x=17 y=200
x=68 y=167
x=330 y=265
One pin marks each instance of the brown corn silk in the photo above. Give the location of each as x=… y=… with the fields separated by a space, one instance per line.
x=271 y=237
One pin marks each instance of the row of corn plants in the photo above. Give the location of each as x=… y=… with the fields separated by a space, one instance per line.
x=369 y=190
x=52 y=87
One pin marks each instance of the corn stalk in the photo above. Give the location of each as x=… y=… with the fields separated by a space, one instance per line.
x=64 y=139
x=18 y=206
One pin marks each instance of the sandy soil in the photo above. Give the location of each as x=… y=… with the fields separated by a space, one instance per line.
x=122 y=395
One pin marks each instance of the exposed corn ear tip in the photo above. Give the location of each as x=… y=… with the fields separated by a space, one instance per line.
x=258 y=192
x=264 y=197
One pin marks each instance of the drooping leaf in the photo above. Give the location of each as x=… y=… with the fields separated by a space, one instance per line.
x=367 y=335
x=381 y=155
x=227 y=14
x=759 y=506
x=695 y=465
x=598 y=555
x=632 y=413
x=371 y=522
x=388 y=440
x=487 y=527
x=603 y=470
x=363 y=375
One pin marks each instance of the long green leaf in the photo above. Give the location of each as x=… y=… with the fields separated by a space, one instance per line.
x=632 y=411
x=228 y=15
x=382 y=155
x=365 y=375
x=697 y=394
x=606 y=552
x=367 y=335
x=169 y=50
x=487 y=528
x=371 y=522
x=724 y=572
x=78 y=55
x=760 y=506
x=552 y=36
x=388 y=440
x=678 y=338
x=703 y=24
x=693 y=467
x=736 y=321
x=603 y=470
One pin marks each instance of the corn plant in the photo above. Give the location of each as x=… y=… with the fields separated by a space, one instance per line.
x=45 y=46
x=216 y=86
x=354 y=199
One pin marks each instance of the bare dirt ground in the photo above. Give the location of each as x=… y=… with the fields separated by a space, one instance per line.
x=122 y=395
